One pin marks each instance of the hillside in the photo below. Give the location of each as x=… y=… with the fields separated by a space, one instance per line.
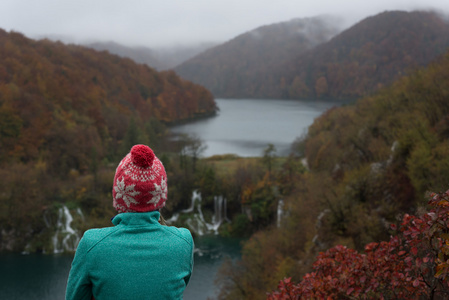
x=356 y=62
x=47 y=88
x=237 y=67
x=367 y=56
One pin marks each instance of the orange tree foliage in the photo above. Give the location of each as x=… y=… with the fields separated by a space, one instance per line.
x=51 y=94
x=413 y=264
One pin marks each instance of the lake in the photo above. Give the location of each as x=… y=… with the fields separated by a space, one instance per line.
x=246 y=126
x=243 y=127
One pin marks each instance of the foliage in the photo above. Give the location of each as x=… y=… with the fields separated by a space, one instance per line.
x=412 y=264
x=59 y=101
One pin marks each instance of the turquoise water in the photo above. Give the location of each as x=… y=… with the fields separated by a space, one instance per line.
x=44 y=277
x=33 y=276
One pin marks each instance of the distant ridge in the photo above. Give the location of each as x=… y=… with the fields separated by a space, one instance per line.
x=141 y=55
x=369 y=55
x=236 y=68
x=157 y=58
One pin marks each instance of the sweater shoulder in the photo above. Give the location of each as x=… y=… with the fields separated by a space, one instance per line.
x=94 y=236
x=182 y=233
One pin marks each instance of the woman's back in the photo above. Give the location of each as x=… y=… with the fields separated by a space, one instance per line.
x=138 y=258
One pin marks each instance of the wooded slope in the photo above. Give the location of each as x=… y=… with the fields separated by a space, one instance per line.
x=273 y=62
x=238 y=67
x=54 y=96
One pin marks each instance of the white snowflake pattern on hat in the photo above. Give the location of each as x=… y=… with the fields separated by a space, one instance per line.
x=160 y=191
x=126 y=192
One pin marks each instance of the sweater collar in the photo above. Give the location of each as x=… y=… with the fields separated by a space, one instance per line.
x=137 y=218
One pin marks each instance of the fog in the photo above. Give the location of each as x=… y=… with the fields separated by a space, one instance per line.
x=164 y=23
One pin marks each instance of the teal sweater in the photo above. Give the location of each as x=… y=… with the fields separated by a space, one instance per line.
x=136 y=259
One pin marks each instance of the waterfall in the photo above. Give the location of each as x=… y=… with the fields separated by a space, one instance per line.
x=219 y=213
x=280 y=212
x=195 y=196
x=80 y=213
x=65 y=237
x=218 y=210
x=196 y=222
x=173 y=219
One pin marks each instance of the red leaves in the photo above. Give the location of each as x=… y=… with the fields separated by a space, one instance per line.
x=286 y=290
x=416 y=282
x=412 y=264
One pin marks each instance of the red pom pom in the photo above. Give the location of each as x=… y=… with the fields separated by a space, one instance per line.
x=142 y=156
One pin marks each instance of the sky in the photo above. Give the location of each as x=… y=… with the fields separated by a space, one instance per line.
x=166 y=23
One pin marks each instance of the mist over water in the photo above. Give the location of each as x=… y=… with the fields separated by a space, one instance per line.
x=246 y=126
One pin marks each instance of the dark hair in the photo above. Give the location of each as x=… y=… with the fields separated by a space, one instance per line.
x=161 y=219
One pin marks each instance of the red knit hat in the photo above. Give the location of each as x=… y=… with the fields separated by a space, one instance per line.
x=140 y=182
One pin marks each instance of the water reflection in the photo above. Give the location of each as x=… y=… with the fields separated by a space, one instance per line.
x=246 y=126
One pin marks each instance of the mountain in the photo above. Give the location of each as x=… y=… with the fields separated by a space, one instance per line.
x=367 y=56
x=158 y=58
x=356 y=62
x=236 y=68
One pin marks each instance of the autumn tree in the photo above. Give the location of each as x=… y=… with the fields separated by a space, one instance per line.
x=412 y=264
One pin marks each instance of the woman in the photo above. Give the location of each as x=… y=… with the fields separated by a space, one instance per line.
x=137 y=258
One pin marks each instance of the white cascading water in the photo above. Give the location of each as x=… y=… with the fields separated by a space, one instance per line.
x=175 y=217
x=78 y=210
x=65 y=238
x=196 y=222
x=280 y=212
x=219 y=213
x=195 y=195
